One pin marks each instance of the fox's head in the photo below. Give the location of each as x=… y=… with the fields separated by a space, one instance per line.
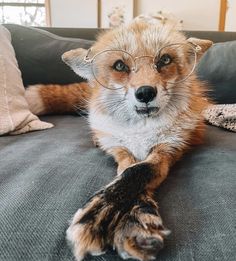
x=139 y=70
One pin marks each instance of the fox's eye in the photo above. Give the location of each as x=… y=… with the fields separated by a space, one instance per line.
x=165 y=59
x=120 y=66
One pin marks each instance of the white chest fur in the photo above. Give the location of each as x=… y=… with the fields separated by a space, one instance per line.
x=138 y=138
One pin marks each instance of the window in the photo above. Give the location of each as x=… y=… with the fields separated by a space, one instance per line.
x=24 y=12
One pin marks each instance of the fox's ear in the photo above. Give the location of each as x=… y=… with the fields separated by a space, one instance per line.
x=75 y=59
x=202 y=43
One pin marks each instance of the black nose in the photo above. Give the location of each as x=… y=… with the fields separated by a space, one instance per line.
x=145 y=94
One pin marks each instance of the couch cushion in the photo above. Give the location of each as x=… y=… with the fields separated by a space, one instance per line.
x=57 y=170
x=39 y=55
x=218 y=68
x=15 y=117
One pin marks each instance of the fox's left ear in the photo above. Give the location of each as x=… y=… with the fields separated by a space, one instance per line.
x=202 y=43
x=76 y=60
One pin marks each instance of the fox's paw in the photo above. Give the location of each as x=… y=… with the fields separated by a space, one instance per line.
x=87 y=231
x=140 y=233
x=135 y=231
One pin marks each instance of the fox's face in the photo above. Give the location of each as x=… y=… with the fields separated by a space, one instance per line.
x=140 y=70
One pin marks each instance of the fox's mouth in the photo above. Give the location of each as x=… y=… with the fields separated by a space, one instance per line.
x=146 y=111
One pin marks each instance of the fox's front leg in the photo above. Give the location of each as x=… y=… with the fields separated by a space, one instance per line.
x=123 y=157
x=124 y=214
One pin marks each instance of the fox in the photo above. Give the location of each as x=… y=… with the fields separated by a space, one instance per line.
x=144 y=104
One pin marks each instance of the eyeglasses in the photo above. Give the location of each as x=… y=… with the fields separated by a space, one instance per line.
x=174 y=63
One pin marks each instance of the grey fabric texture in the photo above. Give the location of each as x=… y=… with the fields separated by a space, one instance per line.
x=217 y=67
x=46 y=176
x=39 y=52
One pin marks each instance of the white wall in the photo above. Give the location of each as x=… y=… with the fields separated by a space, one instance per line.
x=197 y=15
x=74 y=13
x=230 y=23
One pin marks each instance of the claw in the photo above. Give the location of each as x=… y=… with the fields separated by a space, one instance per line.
x=164 y=232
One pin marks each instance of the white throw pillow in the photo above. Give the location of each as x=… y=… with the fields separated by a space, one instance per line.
x=15 y=117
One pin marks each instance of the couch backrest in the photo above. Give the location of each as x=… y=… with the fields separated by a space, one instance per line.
x=90 y=33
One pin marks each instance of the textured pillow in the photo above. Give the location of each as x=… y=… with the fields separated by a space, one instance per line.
x=39 y=52
x=15 y=117
x=218 y=67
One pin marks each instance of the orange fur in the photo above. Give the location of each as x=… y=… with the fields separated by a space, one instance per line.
x=59 y=99
x=123 y=157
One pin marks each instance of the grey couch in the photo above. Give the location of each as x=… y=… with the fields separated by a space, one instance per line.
x=46 y=176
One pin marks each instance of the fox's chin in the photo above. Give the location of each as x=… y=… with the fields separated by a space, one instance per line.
x=147 y=111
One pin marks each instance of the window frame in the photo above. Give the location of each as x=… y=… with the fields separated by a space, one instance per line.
x=46 y=4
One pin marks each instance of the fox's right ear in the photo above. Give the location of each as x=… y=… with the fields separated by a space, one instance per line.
x=76 y=60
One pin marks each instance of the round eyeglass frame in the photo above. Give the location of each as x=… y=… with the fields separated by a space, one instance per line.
x=195 y=47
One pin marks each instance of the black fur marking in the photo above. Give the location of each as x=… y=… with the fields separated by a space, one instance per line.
x=131 y=185
x=90 y=215
x=121 y=197
x=129 y=219
x=106 y=221
x=148 y=207
x=111 y=220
